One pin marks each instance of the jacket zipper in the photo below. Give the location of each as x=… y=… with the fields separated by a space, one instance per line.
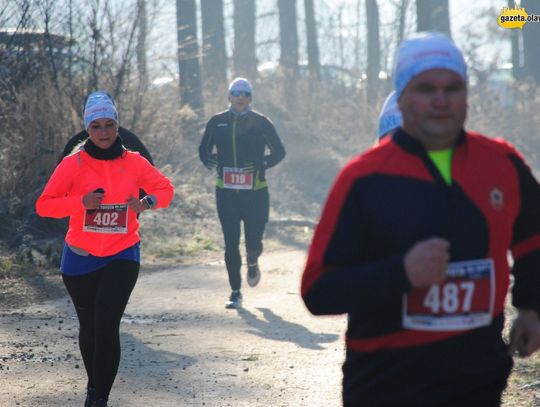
x=234 y=143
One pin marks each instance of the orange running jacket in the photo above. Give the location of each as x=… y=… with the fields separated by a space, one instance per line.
x=79 y=174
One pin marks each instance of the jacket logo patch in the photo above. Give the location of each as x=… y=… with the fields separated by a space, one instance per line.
x=222 y=124
x=496 y=199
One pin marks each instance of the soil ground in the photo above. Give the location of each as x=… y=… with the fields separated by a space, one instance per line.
x=182 y=348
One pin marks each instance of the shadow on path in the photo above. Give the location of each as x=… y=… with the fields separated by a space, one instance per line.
x=136 y=353
x=276 y=328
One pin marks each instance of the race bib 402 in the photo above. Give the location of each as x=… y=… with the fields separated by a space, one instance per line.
x=112 y=218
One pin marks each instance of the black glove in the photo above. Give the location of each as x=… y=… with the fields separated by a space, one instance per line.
x=249 y=166
x=212 y=162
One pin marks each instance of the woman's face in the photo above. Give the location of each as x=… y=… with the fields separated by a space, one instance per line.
x=103 y=132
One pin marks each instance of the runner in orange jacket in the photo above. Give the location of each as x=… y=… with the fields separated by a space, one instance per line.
x=97 y=187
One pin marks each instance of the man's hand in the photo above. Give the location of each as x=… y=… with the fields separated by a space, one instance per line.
x=426 y=262
x=525 y=333
x=212 y=162
x=249 y=166
x=93 y=199
x=138 y=205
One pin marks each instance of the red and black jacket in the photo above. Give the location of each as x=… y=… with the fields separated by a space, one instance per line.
x=385 y=201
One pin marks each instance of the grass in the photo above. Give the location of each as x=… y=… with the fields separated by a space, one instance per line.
x=524 y=384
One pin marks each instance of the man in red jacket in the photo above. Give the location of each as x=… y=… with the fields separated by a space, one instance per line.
x=412 y=245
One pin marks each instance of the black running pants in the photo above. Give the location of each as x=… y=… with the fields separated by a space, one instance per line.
x=234 y=207
x=100 y=299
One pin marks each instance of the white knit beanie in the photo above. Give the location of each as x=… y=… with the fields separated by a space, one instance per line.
x=424 y=51
x=390 y=116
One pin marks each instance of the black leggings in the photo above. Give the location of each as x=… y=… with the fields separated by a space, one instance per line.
x=252 y=208
x=100 y=299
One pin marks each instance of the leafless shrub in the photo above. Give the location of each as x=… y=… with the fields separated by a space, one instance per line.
x=36 y=120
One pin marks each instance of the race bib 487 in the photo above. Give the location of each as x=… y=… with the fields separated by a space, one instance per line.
x=464 y=300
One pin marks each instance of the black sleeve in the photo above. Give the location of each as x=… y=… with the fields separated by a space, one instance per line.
x=72 y=142
x=207 y=143
x=133 y=143
x=337 y=278
x=526 y=242
x=277 y=151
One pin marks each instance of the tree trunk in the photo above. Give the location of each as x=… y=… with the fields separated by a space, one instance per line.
x=424 y=15
x=433 y=15
x=516 y=49
x=244 y=57
x=374 y=50
x=142 y=65
x=96 y=44
x=214 y=57
x=357 y=34
x=441 y=16
x=188 y=55
x=531 y=48
x=402 y=20
x=312 y=40
x=288 y=36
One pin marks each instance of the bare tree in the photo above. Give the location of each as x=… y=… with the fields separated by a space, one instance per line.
x=433 y=15
x=142 y=64
x=357 y=24
x=188 y=55
x=312 y=40
x=374 y=49
x=441 y=16
x=288 y=36
x=531 y=49
x=214 y=56
x=402 y=20
x=123 y=73
x=95 y=44
x=244 y=56
x=516 y=50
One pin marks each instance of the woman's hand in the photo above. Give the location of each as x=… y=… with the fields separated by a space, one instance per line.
x=138 y=205
x=93 y=199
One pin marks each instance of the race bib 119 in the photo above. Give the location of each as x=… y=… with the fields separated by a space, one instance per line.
x=237 y=178
x=464 y=301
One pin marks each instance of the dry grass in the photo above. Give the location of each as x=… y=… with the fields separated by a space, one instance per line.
x=524 y=383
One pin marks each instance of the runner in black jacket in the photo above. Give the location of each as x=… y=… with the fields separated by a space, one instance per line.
x=235 y=144
x=129 y=139
x=413 y=244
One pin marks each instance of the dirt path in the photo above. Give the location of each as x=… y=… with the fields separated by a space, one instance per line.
x=182 y=348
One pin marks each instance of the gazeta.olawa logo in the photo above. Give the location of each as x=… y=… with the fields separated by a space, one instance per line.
x=516 y=17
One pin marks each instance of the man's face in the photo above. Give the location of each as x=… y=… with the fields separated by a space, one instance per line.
x=240 y=100
x=434 y=107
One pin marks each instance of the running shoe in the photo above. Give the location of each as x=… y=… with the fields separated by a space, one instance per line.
x=253 y=274
x=235 y=300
